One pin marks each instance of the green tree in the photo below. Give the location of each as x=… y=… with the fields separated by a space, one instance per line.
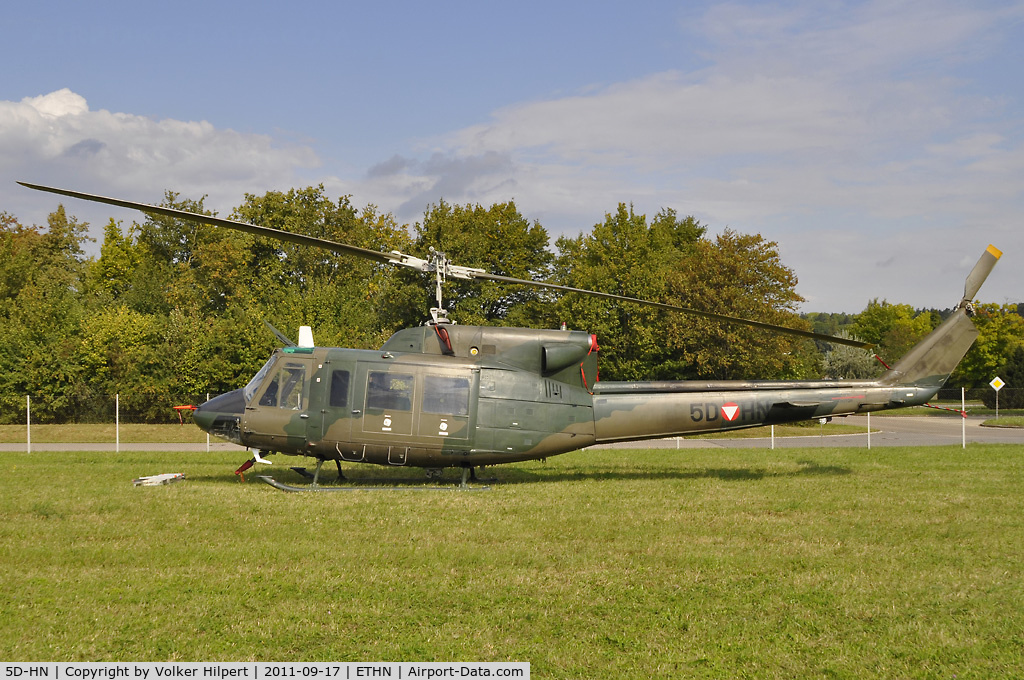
x=1012 y=373
x=892 y=328
x=842 y=362
x=739 y=275
x=113 y=273
x=153 y=267
x=626 y=256
x=172 y=240
x=122 y=351
x=829 y=323
x=1000 y=332
x=41 y=284
x=347 y=300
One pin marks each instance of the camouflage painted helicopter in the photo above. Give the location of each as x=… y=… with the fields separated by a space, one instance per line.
x=444 y=395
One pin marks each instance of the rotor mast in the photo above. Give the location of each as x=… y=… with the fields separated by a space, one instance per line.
x=438 y=263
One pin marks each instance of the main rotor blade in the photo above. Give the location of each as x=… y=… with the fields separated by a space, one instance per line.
x=401 y=259
x=682 y=310
x=300 y=239
x=981 y=271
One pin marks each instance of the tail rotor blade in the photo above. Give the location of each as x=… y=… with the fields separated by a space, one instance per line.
x=980 y=272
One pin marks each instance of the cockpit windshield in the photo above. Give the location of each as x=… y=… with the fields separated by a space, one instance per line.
x=257 y=379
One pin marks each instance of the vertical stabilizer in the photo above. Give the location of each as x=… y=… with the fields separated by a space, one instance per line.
x=931 y=361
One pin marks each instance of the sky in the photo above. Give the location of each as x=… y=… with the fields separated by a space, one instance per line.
x=879 y=144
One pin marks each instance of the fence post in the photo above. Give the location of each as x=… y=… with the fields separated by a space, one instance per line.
x=963 y=417
x=117 y=422
x=28 y=423
x=869 y=430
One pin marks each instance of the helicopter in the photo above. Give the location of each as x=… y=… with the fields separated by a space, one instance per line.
x=443 y=395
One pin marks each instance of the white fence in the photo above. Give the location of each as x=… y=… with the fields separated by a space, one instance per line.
x=956 y=399
x=184 y=417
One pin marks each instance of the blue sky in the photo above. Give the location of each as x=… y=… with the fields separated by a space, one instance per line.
x=881 y=144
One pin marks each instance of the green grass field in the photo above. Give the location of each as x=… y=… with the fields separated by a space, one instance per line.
x=1005 y=421
x=81 y=433
x=894 y=562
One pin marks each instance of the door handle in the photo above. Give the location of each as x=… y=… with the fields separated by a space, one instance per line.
x=303 y=415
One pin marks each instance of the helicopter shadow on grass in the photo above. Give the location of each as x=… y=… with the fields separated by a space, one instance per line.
x=807 y=468
x=399 y=478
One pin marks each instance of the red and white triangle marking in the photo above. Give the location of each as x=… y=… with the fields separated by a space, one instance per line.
x=730 y=411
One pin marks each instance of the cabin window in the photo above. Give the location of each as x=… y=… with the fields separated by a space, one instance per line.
x=339 y=389
x=389 y=391
x=446 y=395
x=285 y=390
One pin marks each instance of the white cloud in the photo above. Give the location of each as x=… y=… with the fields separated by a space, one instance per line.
x=58 y=104
x=878 y=138
x=652 y=123
x=849 y=39
x=56 y=139
x=860 y=124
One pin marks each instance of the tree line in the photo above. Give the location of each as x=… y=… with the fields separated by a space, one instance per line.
x=170 y=310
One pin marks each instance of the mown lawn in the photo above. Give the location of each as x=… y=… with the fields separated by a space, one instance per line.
x=81 y=433
x=895 y=562
x=1005 y=421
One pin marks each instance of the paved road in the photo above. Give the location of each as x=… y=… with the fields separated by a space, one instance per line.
x=887 y=431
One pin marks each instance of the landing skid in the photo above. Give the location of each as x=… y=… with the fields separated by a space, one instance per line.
x=468 y=474
x=368 y=485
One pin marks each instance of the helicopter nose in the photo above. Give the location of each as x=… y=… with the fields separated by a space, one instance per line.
x=221 y=415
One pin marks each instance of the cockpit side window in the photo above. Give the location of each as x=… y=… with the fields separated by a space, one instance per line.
x=285 y=389
x=269 y=397
x=257 y=380
x=293 y=381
